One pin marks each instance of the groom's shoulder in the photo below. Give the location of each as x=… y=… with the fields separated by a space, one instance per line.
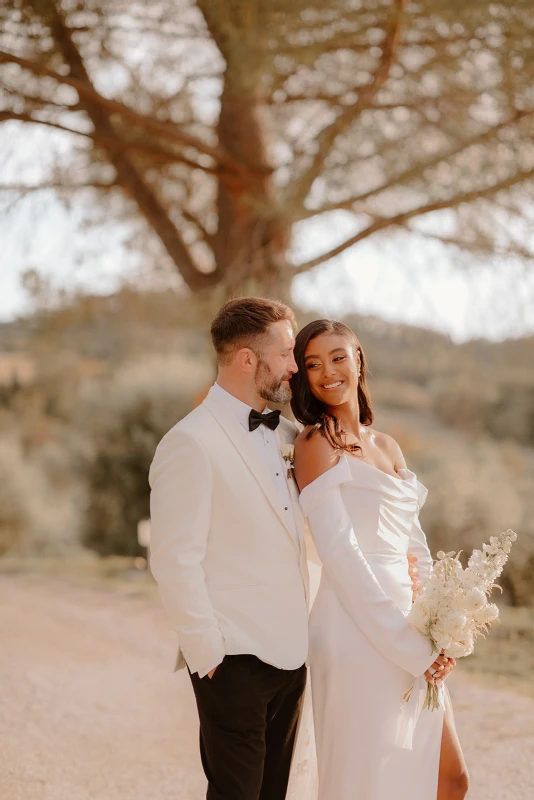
x=193 y=422
x=189 y=427
x=182 y=443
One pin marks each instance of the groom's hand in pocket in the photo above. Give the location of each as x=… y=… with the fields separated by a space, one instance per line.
x=212 y=672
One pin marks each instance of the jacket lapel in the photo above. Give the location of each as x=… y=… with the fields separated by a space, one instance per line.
x=238 y=436
x=283 y=438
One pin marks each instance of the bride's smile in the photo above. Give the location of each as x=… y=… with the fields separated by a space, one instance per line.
x=332 y=368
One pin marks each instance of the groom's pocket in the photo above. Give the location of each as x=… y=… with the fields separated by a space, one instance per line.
x=237 y=687
x=238 y=673
x=218 y=671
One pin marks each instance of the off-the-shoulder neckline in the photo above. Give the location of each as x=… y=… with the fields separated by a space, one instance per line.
x=396 y=477
x=344 y=458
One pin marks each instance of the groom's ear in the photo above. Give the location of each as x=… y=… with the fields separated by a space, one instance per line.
x=246 y=360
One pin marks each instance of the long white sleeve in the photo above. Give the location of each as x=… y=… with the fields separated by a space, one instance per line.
x=417 y=545
x=378 y=617
x=180 y=505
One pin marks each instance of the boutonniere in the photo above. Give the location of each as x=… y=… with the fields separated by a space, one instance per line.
x=288 y=454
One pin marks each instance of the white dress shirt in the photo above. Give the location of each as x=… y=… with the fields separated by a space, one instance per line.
x=266 y=443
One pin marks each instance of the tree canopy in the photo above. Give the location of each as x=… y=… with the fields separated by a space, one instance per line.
x=220 y=126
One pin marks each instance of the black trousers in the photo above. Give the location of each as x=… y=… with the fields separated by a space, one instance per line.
x=248 y=713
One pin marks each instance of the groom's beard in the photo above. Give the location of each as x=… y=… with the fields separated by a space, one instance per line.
x=269 y=387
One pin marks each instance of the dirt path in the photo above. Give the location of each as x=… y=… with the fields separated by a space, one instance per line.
x=90 y=710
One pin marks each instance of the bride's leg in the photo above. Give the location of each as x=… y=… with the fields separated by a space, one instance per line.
x=453 y=780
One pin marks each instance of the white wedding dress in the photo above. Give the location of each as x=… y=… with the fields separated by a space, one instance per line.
x=363 y=652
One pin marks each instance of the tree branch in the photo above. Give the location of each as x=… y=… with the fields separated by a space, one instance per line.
x=206 y=236
x=366 y=95
x=380 y=223
x=21 y=188
x=115 y=144
x=127 y=174
x=41 y=102
x=417 y=169
x=324 y=97
x=474 y=246
x=87 y=92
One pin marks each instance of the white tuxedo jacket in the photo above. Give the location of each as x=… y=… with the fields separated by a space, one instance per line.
x=231 y=576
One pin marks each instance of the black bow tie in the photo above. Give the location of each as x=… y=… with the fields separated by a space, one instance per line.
x=270 y=420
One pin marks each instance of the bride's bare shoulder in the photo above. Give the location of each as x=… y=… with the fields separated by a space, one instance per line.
x=310 y=440
x=313 y=456
x=390 y=447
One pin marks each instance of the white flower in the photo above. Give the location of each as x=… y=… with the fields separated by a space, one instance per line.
x=419 y=617
x=444 y=641
x=460 y=649
x=453 y=619
x=441 y=636
x=288 y=452
x=474 y=600
x=487 y=614
x=469 y=578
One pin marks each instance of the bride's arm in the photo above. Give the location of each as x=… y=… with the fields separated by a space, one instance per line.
x=378 y=617
x=417 y=545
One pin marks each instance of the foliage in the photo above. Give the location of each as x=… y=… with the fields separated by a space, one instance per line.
x=221 y=128
x=39 y=515
x=126 y=415
x=117 y=482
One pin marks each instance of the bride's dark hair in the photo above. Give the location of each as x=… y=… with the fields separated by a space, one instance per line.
x=306 y=407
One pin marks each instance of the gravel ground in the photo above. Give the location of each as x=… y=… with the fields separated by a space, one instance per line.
x=90 y=710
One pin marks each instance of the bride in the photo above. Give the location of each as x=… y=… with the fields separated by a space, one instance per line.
x=362 y=506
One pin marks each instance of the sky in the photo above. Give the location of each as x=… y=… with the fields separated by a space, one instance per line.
x=419 y=282
x=393 y=277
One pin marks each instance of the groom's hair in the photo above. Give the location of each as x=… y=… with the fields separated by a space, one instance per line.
x=244 y=322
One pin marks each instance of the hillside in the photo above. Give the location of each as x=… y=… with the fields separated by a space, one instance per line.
x=87 y=391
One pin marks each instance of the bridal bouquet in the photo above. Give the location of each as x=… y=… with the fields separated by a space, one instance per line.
x=452 y=608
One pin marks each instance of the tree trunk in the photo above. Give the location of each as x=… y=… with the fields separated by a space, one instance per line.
x=250 y=246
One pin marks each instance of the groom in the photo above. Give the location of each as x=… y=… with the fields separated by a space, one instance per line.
x=228 y=554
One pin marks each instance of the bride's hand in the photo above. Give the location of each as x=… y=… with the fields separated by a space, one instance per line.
x=440 y=669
